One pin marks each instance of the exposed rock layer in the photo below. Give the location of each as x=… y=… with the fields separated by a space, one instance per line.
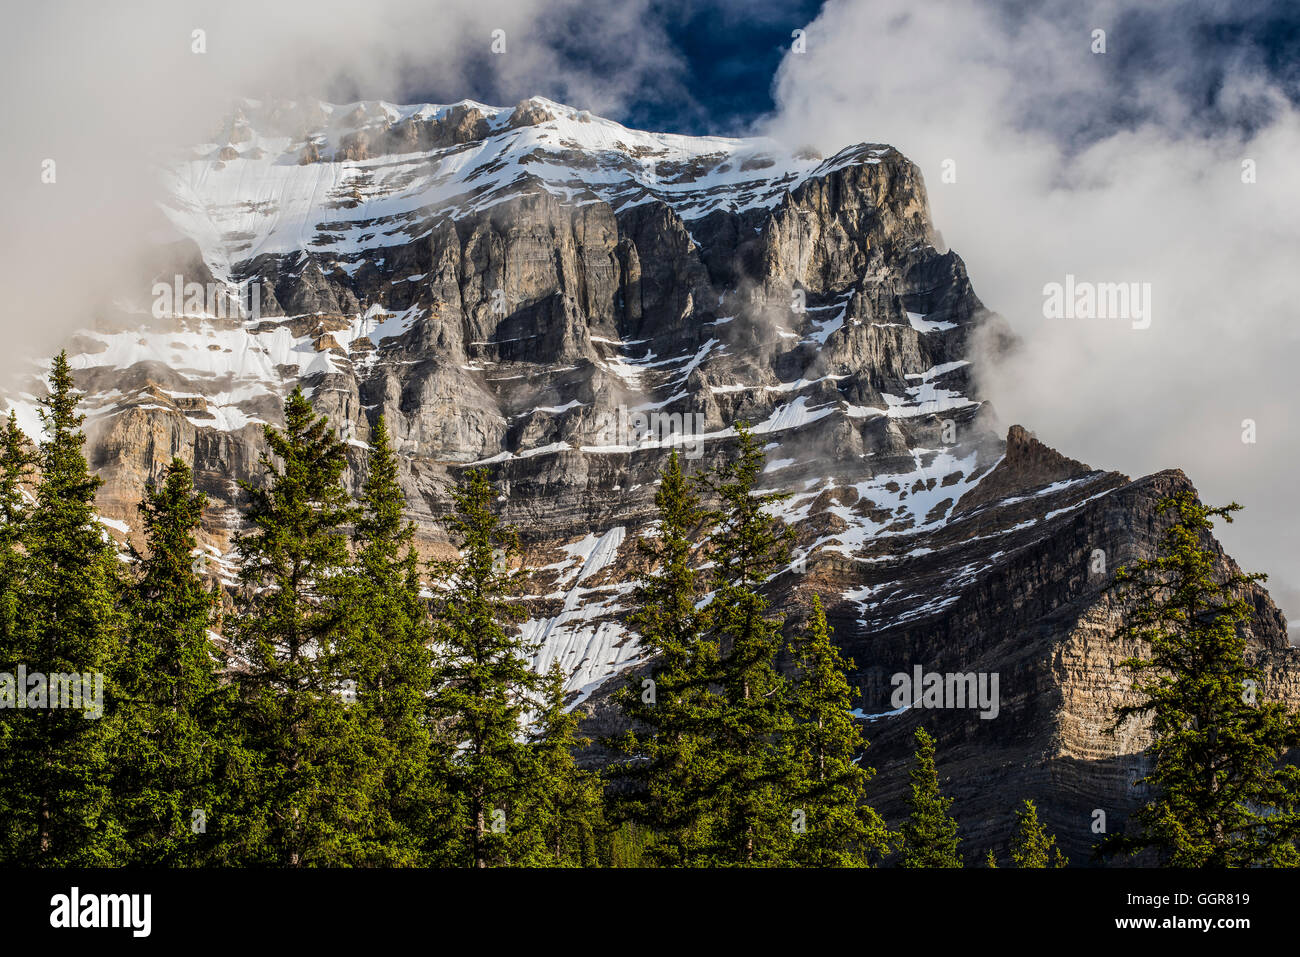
x=561 y=300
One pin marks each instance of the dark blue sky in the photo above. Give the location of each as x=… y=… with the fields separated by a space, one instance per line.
x=731 y=55
x=728 y=51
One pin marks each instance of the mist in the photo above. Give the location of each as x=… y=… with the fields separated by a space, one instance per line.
x=96 y=95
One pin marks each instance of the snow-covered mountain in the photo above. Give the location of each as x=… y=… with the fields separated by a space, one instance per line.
x=562 y=299
x=336 y=181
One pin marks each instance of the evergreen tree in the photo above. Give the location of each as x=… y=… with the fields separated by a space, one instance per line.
x=17 y=462
x=1222 y=799
x=171 y=740
x=841 y=829
x=625 y=846
x=758 y=780
x=310 y=797
x=669 y=774
x=56 y=772
x=1031 y=845
x=484 y=686
x=387 y=637
x=560 y=803
x=930 y=833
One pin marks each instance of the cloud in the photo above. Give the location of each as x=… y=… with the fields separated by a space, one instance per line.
x=1123 y=166
x=106 y=90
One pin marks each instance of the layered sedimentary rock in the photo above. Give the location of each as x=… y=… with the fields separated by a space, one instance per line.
x=562 y=300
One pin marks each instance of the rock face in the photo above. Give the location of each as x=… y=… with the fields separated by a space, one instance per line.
x=561 y=300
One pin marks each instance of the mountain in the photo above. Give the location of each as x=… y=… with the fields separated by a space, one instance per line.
x=551 y=295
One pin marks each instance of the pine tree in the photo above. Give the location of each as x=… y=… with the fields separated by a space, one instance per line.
x=484 y=686
x=1222 y=799
x=756 y=798
x=841 y=829
x=560 y=803
x=310 y=797
x=56 y=772
x=171 y=740
x=669 y=774
x=1031 y=845
x=930 y=832
x=386 y=636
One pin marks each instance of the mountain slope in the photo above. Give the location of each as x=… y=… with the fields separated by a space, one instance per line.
x=560 y=299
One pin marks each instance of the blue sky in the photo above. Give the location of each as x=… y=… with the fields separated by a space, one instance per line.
x=723 y=57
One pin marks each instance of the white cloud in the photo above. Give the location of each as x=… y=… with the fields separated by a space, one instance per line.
x=104 y=90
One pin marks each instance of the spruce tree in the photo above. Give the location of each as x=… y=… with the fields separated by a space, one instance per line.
x=669 y=771
x=1221 y=797
x=758 y=780
x=1031 y=845
x=56 y=774
x=560 y=803
x=17 y=463
x=625 y=846
x=840 y=828
x=171 y=739
x=310 y=796
x=484 y=686
x=386 y=636
x=929 y=836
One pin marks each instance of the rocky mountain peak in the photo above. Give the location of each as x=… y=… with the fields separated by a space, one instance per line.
x=1034 y=460
x=530 y=112
x=1027 y=464
x=562 y=300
